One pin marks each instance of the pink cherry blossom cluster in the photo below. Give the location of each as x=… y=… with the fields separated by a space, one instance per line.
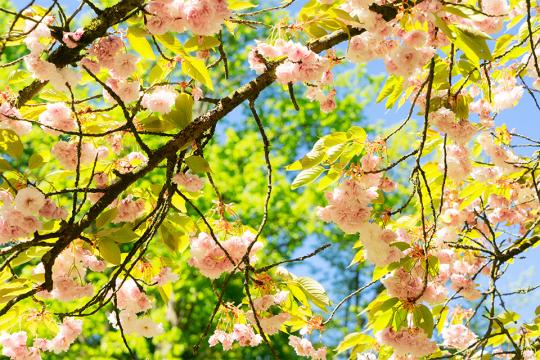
x=349 y=205
x=131 y=162
x=16 y=348
x=67 y=153
x=202 y=17
x=188 y=181
x=19 y=214
x=128 y=209
x=38 y=36
x=57 y=118
x=458 y=336
x=9 y=116
x=209 y=258
x=301 y=63
x=69 y=270
x=459 y=130
x=243 y=334
x=378 y=244
x=107 y=52
x=407 y=341
x=304 y=347
x=131 y=300
x=160 y=100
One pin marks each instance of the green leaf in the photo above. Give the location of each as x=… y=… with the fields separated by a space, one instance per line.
x=352 y=340
x=182 y=114
x=307 y=176
x=105 y=217
x=241 y=5
x=10 y=143
x=197 y=70
x=140 y=44
x=169 y=41
x=201 y=43
x=35 y=161
x=472 y=43
x=110 y=251
x=120 y=235
x=197 y=164
x=357 y=133
x=389 y=87
x=314 y=291
x=423 y=319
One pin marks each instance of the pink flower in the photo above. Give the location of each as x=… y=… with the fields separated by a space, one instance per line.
x=458 y=336
x=105 y=49
x=197 y=93
x=160 y=100
x=131 y=298
x=165 y=276
x=29 y=201
x=220 y=336
x=57 y=118
x=15 y=225
x=128 y=210
x=123 y=66
x=460 y=131
x=14 y=346
x=70 y=329
x=303 y=347
x=71 y=38
x=348 y=206
x=188 y=181
x=205 y=17
x=127 y=90
x=66 y=154
x=51 y=211
x=210 y=259
x=9 y=119
x=245 y=335
x=407 y=341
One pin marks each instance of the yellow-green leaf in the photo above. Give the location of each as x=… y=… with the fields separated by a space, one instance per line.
x=197 y=70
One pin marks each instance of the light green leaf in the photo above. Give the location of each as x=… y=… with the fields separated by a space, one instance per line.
x=10 y=143
x=140 y=44
x=197 y=70
x=110 y=251
x=354 y=339
x=35 y=161
x=120 y=235
x=472 y=43
x=105 y=217
x=197 y=164
x=314 y=291
x=423 y=319
x=198 y=43
x=307 y=176
x=241 y=5
x=181 y=115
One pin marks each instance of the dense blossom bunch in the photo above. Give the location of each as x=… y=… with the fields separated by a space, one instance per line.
x=19 y=215
x=69 y=270
x=16 y=348
x=458 y=336
x=212 y=258
x=188 y=181
x=202 y=17
x=301 y=63
x=131 y=300
x=304 y=347
x=407 y=341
